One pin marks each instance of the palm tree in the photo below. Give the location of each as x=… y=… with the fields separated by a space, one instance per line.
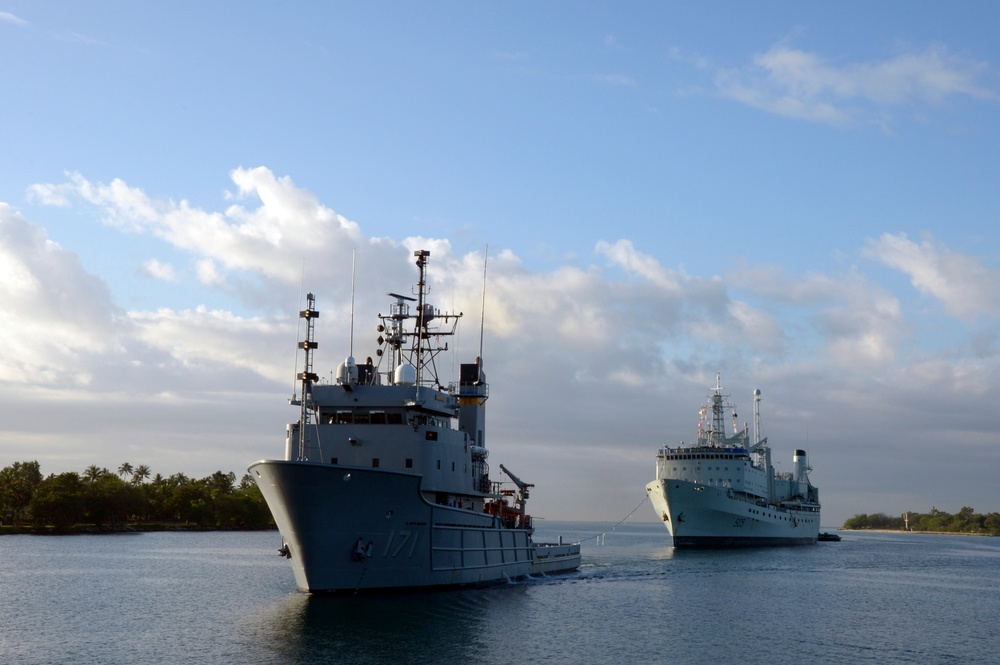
x=178 y=479
x=125 y=469
x=221 y=481
x=93 y=473
x=17 y=487
x=140 y=474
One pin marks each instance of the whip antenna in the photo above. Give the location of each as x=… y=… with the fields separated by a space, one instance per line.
x=354 y=257
x=482 y=316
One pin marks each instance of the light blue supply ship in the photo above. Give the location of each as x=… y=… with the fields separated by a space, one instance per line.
x=723 y=492
x=385 y=482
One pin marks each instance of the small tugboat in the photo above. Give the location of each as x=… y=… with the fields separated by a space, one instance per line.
x=827 y=537
x=723 y=491
x=385 y=482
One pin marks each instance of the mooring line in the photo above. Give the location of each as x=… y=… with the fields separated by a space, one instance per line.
x=619 y=523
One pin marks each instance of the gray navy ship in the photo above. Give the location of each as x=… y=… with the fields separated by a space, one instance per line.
x=723 y=491
x=385 y=482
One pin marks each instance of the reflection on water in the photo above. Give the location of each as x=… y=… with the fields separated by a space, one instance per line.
x=445 y=627
x=226 y=598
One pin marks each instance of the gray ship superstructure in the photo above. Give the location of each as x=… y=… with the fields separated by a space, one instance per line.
x=724 y=492
x=385 y=482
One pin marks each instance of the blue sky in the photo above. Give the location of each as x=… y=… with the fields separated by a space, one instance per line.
x=801 y=197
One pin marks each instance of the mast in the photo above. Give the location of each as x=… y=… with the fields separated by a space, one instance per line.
x=760 y=446
x=756 y=415
x=421 y=255
x=306 y=376
x=718 y=415
x=417 y=347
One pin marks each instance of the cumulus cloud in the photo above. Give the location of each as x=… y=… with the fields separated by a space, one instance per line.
x=624 y=254
x=847 y=320
x=218 y=339
x=55 y=316
x=252 y=250
x=864 y=330
x=804 y=85
x=775 y=283
x=965 y=287
x=623 y=319
x=159 y=270
x=273 y=238
x=588 y=324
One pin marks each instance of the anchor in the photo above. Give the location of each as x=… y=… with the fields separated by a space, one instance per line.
x=362 y=551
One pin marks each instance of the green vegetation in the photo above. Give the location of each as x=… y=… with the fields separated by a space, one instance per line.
x=99 y=500
x=964 y=521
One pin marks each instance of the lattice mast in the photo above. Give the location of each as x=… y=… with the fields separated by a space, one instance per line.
x=307 y=376
x=422 y=313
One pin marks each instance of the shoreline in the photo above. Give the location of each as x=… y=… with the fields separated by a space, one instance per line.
x=930 y=533
x=93 y=530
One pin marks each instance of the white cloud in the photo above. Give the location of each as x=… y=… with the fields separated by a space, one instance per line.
x=160 y=270
x=761 y=330
x=54 y=315
x=51 y=195
x=624 y=254
x=804 y=85
x=964 y=286
x=274 y=239
x=208 y=273
x=7 y=17
x=846 y=320
x=212 y=339
x=864 y=331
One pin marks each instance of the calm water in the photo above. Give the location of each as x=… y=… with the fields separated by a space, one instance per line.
x=227 y=598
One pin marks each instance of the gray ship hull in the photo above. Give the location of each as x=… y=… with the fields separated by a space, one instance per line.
x=700 y=517
x=355 y=528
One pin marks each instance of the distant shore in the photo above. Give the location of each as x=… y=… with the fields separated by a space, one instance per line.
x=932 y=533
x=91 y=529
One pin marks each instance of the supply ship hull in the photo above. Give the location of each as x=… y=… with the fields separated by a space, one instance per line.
x=700 y=517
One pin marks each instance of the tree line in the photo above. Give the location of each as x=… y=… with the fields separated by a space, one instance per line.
x=965 y=520
x=133 y=497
